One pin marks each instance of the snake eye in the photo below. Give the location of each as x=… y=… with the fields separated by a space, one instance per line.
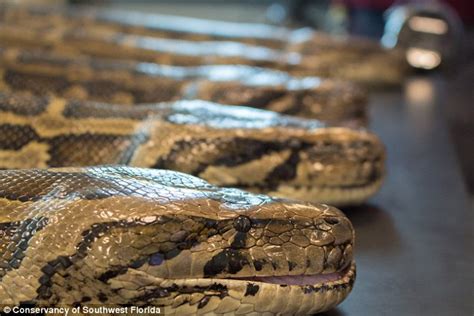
x=242 y=224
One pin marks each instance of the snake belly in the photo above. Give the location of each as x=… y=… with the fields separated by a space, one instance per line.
x=121 y=236
x=100 y=33
x=87 y=78
x=255 y=150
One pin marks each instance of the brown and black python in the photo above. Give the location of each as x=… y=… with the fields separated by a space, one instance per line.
x=86 y=78
x=241 y=147
x=101 y=33
x=121 y=236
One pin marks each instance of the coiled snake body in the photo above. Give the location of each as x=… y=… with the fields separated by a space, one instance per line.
x=128 y=236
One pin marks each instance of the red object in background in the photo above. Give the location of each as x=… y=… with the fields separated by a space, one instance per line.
x=465 y=9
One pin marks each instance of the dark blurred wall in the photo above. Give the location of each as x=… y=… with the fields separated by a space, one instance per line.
x=366 y=16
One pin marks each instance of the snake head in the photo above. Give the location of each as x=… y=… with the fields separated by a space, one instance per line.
x=262 y=255
x=265 y=152
x=121 y=235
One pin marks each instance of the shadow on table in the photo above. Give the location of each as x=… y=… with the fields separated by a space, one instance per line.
x=333 y=312
x=375 y=229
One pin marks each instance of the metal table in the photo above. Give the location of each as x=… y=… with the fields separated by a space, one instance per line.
x=414 y=246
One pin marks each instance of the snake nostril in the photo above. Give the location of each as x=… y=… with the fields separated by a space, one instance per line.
x=242 y=224
x=331 y=220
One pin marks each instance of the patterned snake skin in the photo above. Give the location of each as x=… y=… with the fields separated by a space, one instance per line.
x=112 y=34
x=86 y=78
x=131 y=236
x=241 y=147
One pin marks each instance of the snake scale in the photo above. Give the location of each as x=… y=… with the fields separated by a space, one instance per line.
x=106 y=33
x=137 y=235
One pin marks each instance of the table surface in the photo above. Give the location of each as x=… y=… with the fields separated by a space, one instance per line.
x=414 y=239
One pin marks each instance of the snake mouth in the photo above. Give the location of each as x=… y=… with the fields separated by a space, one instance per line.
x=303 y=279
x=299 y=279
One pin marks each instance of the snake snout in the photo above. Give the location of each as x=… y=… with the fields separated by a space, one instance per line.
x=310 y=242
x=337 y=166
x=342 y=159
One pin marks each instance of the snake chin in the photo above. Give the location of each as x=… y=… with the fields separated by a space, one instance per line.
x=289 y=295
x=337 y=196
